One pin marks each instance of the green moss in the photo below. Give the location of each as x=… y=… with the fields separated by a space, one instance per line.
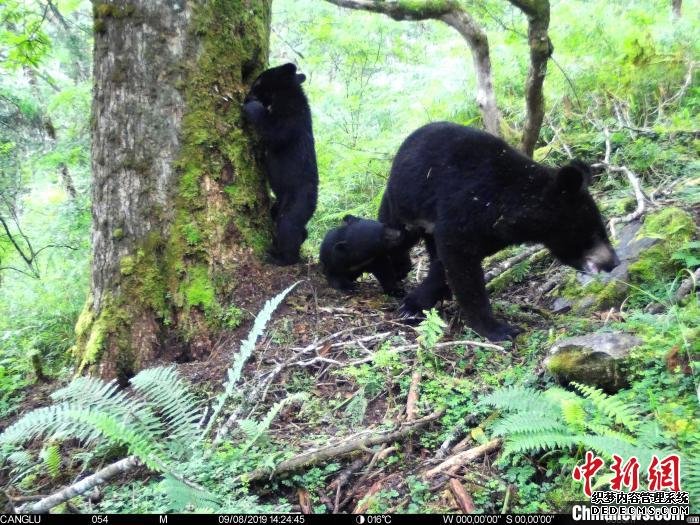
x=674 y=227
x=118 y=234
x=198 y=289
x=126 y=265
x=84 y=319
x=425 y=8
x=566 y=360
x=95 y=343
x=105 y=10
x=602 y=295
x=192 y=234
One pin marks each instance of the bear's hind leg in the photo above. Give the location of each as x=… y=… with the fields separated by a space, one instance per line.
x=292 y=214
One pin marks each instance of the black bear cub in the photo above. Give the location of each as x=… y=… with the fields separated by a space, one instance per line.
x=277 y=108
x=362 y=246
x=469 y=194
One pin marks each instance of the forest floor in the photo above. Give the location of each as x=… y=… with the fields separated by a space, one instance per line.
x=354 y=359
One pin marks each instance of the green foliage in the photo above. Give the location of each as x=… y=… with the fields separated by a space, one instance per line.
x=157 y=420
x=556 y=419
x=430 y=329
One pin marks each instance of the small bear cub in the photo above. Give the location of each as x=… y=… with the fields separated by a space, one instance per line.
x=278 y=110
x=361 y=246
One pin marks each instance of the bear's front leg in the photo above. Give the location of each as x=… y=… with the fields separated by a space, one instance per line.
x=382 y=269
x=466 y=279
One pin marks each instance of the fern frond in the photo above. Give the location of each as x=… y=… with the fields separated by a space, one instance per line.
x=170 y=396
x=235 y=372
x=609 y=405
x=184 y=496
x=526 y=423
x=517 y=399
x=573 y=413
x=51 y=456
x=264 y=425
x=540 y=442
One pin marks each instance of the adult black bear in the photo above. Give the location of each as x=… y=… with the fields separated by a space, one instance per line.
x=362 y=246
x=277 y=108
x=469 y=194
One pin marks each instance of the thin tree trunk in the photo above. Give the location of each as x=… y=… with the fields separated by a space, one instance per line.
x=453 y=14
x=676 y=7
x=179 y=202
x=537 y=12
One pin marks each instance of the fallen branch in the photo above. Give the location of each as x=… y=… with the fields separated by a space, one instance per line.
x=98 y=478
x=503 y=266
x=464 y=500
x=638 y=194
x=464 y=457
x=412 y=398
x=315 y=457
x=634 y=183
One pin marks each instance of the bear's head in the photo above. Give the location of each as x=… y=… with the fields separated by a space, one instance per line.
x=348 y=249
x=578 y=236
x=271 y=82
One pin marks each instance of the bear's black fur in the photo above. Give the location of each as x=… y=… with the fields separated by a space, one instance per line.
x=277 y=108
x=362 y=246
x=469 y=194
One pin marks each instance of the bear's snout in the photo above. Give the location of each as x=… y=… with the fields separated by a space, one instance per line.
x=601 y=258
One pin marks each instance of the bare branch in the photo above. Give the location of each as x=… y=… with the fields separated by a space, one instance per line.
x=98 y=478
x=454 y=15
x=537 y=12
x=464 y=457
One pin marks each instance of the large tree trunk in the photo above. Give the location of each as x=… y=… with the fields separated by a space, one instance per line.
x=179 y=202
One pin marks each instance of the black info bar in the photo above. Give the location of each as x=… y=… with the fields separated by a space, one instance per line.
x=286 y=519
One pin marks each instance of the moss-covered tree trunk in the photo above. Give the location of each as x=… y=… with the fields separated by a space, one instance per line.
x=179 y=202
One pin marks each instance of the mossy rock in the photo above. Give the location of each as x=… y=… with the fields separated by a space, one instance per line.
x=598 y=360
x=645 y=251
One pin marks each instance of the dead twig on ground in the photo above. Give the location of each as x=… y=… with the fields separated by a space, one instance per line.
x=350 y=445
x=464 y=457
x=503 y=266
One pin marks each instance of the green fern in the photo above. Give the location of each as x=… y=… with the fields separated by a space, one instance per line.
x=519 y=399
x=184 y=496
x=610 y=405
x=265 y=423
x=157 y=420
x=247 y=347
x=533 y=422
x=51 y=456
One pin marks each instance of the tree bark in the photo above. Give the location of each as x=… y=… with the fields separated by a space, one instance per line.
x=537 y=12
x=179 y=200
x=453 y=14
x=676 y=7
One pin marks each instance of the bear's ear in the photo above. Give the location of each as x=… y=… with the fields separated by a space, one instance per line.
x=340 y=246
x=288 y=68
x=574 y=177
x=300 y=78
x=349 y=219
